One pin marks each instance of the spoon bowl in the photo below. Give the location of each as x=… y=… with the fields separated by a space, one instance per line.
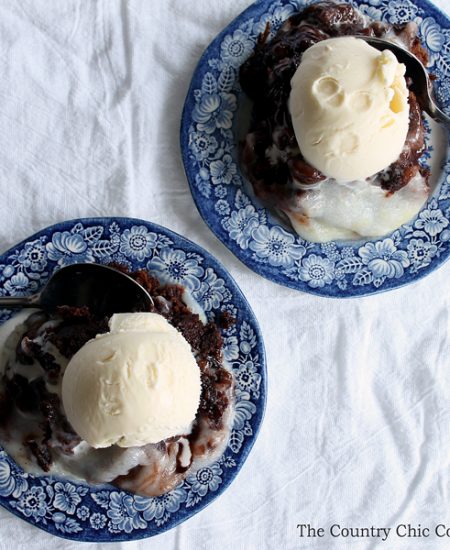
x=103 y=289
x=421 y=83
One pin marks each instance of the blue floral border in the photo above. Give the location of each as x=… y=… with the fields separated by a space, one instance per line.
x=103 y=513
x=208 y=143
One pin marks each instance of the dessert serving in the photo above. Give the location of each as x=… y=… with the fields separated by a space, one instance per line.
x=139 y=400
x=194 y=350
x=250 y=180
x=336 y=135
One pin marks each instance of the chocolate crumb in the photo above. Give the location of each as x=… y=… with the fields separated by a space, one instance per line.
x=40 y=451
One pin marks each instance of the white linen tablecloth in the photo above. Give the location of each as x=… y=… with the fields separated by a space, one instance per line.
x=357 y=426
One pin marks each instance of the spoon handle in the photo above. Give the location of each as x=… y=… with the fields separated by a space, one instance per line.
x=19 y=301
x=439 y=115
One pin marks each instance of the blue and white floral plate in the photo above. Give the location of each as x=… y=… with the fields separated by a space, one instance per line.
x=209 y=137
x=103 y=513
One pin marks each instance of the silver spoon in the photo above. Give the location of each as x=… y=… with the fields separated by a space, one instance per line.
x=421 y=83
x=102 y=288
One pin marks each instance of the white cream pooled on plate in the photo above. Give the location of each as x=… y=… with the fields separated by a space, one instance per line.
x=334 y=211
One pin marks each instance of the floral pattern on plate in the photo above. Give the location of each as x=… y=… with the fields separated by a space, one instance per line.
x=103 y=513
x=209 y=132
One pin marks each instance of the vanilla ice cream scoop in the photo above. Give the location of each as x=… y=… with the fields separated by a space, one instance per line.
x=137 y=384
x=349 y=108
